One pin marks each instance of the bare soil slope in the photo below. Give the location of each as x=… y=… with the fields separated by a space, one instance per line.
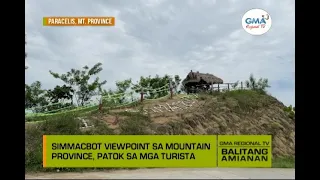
x=234 y=112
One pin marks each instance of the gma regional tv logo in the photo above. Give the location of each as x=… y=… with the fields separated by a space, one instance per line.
x=256 y=21
x=78 y=21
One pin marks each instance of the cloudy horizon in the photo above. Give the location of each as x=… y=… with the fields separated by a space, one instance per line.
x=164 y=37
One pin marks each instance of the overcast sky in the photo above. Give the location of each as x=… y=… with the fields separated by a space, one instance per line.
x=164 y=37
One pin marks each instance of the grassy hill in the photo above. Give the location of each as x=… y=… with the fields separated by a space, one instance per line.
x=233 y=112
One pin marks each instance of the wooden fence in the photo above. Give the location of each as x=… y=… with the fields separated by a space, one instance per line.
x=227 y=86
x=216 y=87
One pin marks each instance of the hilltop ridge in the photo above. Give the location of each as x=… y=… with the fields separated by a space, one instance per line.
x=233 y=112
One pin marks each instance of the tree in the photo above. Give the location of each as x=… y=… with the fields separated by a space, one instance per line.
x=60 y=93
x=122 y=87
x=57 y=97
x=176 y=83
x=235 y=85
x=261 y=85
x=79 y=81
x=149 y=85
x=117 y=96
x=35 y=96
x=107 y=96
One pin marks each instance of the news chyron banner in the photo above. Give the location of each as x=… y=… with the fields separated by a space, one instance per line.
x=129 y=151
x=244 y=151
x=79 y=21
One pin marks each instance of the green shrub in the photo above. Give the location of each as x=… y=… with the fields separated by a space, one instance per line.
x=290 y=112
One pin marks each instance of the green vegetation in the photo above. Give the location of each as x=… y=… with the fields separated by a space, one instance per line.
x=290 y=111
x=248 y=99
x=260 y=85
x=77 y=92
x=79 y=82
x=283 y=162
x=62 y=125
x=136 y=124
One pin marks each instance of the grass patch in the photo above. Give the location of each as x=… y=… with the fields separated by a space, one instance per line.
x=283 y=162
x=134 y=124
x=248 y=99
x=60 y=125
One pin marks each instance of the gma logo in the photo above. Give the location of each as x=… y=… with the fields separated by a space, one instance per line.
x=256 y=20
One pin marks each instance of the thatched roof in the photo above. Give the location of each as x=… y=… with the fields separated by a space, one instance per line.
x=196 y=77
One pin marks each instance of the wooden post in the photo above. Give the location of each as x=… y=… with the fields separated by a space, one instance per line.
x=228 y=87
x=131 y=94
x=241 y=85
x=218 y=87
x=100 y=105
x=171 y=89
x=141 y=98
